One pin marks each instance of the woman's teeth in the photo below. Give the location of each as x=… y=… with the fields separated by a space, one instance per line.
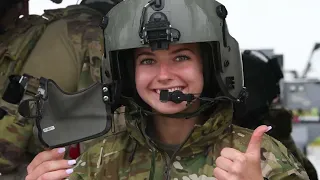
x=170 y=90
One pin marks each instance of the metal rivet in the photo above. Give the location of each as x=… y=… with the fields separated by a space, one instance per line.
x=222 y=12
x=104 y=22
x=105 y=89
x=105 y=98
x=226 y=63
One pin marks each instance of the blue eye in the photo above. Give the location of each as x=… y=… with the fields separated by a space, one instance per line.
x=182 y=58
x=147 y=61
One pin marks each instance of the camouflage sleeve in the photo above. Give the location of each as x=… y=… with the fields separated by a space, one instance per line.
x=91 y=60
x=14 y=137
x=278 y=163
x=87 y=38
x=88 y=163
x=310 y=169
x=90 y=72
x=98 y=157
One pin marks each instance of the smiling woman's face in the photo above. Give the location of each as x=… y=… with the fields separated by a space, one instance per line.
x=178 y=68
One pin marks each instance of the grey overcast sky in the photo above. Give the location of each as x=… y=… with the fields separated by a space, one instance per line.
x=290 y=27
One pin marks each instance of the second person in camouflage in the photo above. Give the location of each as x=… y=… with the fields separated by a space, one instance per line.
x=64 y=46
x=262 y=77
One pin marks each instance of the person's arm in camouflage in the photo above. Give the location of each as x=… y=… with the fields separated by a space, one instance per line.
x=281 y=120
x=14 y=137
x=15 y=134
x=310 y=169
x=280 y=163
x=90 y=74
x=89 y=49
x=83 y=37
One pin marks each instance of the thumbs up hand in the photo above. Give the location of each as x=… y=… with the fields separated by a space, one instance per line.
x=235 y=165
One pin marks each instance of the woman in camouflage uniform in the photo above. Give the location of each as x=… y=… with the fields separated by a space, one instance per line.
x=179 y=51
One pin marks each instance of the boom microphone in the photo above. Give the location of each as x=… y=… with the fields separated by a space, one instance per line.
x=175 y=96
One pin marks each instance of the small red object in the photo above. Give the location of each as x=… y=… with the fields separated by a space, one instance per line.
x=74 y=151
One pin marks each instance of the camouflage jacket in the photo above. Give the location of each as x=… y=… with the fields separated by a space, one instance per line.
x=85 y=35
x=131 y=154
x=281 y=121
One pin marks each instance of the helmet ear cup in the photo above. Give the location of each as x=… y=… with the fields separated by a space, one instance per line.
x=256 y=80
x=275 y=77
x=211 y=87
x=123 y=73
x=276 y=69
x=262 y=75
